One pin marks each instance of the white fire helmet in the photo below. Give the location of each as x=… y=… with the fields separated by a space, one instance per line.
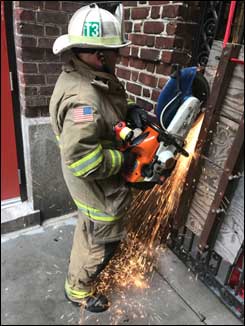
x=92 y=27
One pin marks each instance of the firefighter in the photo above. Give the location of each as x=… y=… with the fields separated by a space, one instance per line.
x=87 y=101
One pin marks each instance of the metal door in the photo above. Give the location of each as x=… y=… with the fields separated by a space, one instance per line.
x=9 y=165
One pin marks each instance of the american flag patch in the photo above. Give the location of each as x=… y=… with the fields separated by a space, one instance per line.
x=82 y=114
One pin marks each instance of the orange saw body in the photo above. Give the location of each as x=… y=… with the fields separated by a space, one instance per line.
x=145 y=150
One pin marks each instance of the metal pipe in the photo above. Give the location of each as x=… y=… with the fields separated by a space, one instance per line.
x=229 y=23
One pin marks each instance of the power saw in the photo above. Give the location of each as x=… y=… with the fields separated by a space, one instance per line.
x=158 y=145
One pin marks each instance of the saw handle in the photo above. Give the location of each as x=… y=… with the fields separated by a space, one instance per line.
x=168 y=139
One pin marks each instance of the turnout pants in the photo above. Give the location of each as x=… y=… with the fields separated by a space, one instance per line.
x=94 y=244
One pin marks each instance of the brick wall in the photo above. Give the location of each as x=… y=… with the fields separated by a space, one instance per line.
x=37 y=24
x=161 y=33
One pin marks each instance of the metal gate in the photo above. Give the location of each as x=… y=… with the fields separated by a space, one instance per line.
x=198 y=250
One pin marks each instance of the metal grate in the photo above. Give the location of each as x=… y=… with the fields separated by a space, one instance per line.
x=212 y=13
x=223 y=279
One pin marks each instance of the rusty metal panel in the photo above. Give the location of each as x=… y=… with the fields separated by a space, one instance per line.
x=212 y=171
x=213 y=106
x=224 y=180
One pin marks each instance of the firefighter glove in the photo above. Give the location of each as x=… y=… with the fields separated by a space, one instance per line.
x=129 y=160
x=136 y=116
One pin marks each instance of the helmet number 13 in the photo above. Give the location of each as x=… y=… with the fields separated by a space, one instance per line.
x=91 y=29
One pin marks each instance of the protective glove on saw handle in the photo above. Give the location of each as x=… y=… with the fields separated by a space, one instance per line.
x=129 y=159
x=136 y=116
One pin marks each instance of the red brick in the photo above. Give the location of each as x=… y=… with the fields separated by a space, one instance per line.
x=125 y=51
x=137 y=63
x=164 y=69
x=155 y=12
x=127 y=13
x=29 y=4
x=130 y=3
x=134 y=51
x=155 y=95
x=138 y=27
x=153 y=27
x=172 y=11
x=140 y=13
x=47 y=68
x=167 y=56
x=30 y=54
x=28 y=91
x=128 y=26
x=26 y=42
x=125 y=61
x=171 y=28
x=141 y=39
x=34 y=101
x=150 y=41
x=33 y=112
x=135 y=75
x=31 y=79
x=45 y=42
x=144 y=104
x=30 y=29
x=52 y=31
x=24 y=15
x=52 y=5
x=46 y=90
x=24 y=67
x=52 y=17
x=148 y=80
x=50 y=57
x=162 y=82
x=150 y=67
x=70 y=7
x=165 y=42
x=134 y=88
x=146 y=92
x=52 y=79
x=151 y=55
x=175 y=57
x=158 y=2
x=123 y=73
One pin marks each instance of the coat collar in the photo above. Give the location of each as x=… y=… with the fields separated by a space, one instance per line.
x=103 y=80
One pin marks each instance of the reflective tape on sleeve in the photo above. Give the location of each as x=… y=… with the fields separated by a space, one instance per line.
x=88 y=162
x=95 y=214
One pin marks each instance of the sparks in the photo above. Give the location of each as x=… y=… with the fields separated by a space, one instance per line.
x=149 y=218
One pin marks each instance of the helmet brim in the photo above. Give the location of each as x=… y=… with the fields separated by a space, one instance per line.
x=64 y=43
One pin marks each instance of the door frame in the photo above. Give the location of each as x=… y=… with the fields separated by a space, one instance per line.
x=8 y=16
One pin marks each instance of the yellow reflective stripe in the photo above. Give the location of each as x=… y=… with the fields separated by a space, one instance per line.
x=89 y=167
x=119 y=165
x=116 y=158
x=87 y=163
x=95 y=214
x=115 y=40
x=76 y=294
x=112 y=162
x=86 y=158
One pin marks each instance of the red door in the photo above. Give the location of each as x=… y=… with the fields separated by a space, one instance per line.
x=9 y=166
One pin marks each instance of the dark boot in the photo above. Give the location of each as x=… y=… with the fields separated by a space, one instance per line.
x=94 y=303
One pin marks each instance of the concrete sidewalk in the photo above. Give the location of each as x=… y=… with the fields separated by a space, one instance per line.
x=34 y=266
